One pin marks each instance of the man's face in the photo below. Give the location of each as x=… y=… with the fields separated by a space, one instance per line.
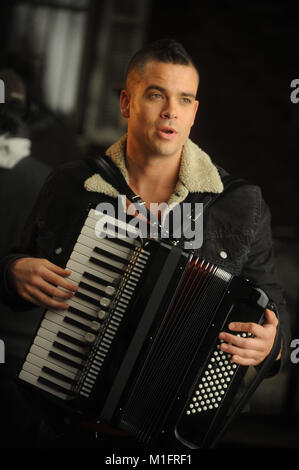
x=160 y=106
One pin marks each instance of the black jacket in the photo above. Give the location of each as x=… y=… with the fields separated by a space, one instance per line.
x=237 y=224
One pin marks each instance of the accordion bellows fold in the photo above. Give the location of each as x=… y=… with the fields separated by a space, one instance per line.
x=197 y=173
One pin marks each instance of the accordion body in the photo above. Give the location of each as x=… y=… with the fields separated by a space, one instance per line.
x=138 y=347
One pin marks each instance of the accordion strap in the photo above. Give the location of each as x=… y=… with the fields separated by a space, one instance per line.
x=112 y=174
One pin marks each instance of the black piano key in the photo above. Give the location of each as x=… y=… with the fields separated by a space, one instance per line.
x=106 y=265
x=95 y=290
x=58 y=375
x=109 y=255
x=79 y=325
x=69 y=350
x=122 y=242
x=97 y=279
x=87 y=298
x=55 y=386
x=65 y=360
x=81 y=314
x=72 y=340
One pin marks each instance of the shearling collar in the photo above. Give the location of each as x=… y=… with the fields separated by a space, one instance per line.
x=197 y=173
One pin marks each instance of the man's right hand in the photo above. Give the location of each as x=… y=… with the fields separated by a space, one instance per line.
x=37 y=280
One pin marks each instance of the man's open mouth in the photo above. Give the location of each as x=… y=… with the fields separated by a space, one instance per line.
x=167 y=130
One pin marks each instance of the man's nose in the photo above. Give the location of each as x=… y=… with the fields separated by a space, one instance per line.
x=169 y=111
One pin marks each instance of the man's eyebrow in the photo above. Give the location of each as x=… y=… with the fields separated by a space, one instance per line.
x=163 y=90
x=155 y=87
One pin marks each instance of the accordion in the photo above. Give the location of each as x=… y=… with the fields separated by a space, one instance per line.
x=138 y=347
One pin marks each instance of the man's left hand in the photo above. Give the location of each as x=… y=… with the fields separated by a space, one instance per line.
x=250 y=351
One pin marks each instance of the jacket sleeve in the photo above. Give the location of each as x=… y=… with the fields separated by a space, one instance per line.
x=27 y=247
x=260 y=267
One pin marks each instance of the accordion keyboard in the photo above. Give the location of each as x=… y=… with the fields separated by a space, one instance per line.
x=106 y=271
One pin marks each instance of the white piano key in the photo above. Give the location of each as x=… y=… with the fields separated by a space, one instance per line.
x=103 y=299
x=89 y=304
x=93 y=325
x=43 y=353
x=87 y=251
x=80 y=268
x=109 y=247
x=83 y=304
x=89 y=232
x=56 y=328
x=48 y=346
x=33 y=380
x=49 y=336
x=38 y=372
x=99 y=269
x=59 y=320
x=40 y=362
x=80 y=306
x=107 y=290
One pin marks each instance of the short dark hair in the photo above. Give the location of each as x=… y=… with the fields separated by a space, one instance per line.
x=166 y=50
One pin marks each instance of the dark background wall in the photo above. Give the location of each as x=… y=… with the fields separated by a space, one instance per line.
x=247 y=53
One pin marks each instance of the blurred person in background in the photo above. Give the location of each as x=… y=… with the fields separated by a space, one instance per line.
x=21 y=178
x=33 y=140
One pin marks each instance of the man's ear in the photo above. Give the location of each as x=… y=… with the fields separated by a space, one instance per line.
x=124 y=103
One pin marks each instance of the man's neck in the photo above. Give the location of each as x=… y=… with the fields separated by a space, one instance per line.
x=153 y=177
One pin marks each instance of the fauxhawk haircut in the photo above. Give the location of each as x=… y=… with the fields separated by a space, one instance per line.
x=162 y=50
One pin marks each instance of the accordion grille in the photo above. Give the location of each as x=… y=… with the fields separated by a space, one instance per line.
x=173 y=348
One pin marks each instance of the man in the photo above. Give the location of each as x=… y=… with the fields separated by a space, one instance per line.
x=160 y=164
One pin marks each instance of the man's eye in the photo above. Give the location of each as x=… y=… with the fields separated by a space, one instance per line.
x=186 y=100
x=156 y=96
